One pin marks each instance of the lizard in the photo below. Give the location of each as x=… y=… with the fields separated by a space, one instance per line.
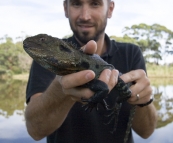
x=64 y=58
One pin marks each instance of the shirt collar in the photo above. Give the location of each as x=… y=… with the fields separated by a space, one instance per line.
x=109 y=44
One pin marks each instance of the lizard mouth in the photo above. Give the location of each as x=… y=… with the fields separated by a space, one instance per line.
x=34 y=48
x=34 y=52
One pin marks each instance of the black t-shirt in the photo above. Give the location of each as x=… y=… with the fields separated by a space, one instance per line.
x=88 y=127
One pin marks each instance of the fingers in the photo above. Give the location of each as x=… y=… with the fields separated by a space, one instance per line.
x=90 y=47
x=76 y=79
x=133 y=75
x=70 y=84
x=109 y=77
x=141 y=87
x=143 y=96
x=77 y=93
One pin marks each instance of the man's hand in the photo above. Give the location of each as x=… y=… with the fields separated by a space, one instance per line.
x=145 y=118
x=90 y=47
x=141 y=87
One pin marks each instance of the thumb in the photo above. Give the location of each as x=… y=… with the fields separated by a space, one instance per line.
x=90 y=47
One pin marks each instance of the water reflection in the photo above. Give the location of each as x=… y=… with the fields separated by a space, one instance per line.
x=12 y=104
x=161 y=135
x=12 y=97
x=163 y=100
x=12 y=129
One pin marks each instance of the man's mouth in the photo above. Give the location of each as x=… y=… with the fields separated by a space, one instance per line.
x=85 y=26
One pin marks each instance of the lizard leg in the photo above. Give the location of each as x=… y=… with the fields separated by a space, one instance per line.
x=101 y=91
x=124 y=91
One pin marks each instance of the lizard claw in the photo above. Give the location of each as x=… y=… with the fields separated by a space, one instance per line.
x=90 y=105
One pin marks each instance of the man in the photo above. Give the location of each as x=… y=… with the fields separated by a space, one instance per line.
x=54 y=103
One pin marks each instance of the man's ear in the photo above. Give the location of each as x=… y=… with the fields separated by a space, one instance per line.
x=65 y=9
x=110 y=9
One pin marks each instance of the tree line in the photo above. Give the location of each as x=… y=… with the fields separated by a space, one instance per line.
x=154 y=40
x=13 y=59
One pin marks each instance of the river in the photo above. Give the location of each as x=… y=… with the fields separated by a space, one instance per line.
x=12 y=106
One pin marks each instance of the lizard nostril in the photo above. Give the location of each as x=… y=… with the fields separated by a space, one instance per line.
x=25 y=45
x=42 y=39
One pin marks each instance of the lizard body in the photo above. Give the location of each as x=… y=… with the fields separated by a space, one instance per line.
x=64 y=58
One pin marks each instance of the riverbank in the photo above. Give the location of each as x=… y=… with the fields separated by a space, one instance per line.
x=153 y=72
x=159 y=71
x=21 y=76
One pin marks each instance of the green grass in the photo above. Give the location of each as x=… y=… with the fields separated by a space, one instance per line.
x=21 y=76
x=159 y=71
x=155 y=72
x=160 y=75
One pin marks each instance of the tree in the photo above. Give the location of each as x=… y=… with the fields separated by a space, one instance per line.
x=154 y=40
x=125 y=39
x=13 y=58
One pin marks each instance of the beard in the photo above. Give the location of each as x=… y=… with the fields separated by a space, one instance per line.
x=84 y=37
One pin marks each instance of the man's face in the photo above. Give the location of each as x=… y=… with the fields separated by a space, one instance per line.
x=87 y=18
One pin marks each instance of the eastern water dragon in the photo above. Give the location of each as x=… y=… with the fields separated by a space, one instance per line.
x=64 y=58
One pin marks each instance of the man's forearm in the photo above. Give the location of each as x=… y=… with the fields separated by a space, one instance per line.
x=46 y=112
x=145 y=120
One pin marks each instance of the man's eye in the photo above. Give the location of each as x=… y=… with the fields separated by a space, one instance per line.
x=95 y=4
x=76 y=4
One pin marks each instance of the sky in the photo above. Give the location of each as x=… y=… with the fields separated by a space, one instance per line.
x=31 y=17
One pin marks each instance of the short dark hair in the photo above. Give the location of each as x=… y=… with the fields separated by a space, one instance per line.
x=66 y=0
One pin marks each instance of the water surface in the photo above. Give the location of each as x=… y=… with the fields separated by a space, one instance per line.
x=12 y=105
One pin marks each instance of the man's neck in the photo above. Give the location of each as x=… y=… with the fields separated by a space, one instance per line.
x=101 y=45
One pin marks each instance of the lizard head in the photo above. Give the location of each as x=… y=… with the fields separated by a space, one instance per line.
x=52 y=53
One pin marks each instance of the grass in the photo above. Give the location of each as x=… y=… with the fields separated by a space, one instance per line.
x=159 y=71
x=21 y=76
x=155 y=73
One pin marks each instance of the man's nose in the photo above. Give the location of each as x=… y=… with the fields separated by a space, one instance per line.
x=85 y=13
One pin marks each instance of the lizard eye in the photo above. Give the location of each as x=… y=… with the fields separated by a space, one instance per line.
x=42 y=39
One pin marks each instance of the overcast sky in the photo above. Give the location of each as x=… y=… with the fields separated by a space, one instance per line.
x=31 y=17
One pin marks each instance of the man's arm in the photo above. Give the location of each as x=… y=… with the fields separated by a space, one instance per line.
x=145 y=118
x=47 y=111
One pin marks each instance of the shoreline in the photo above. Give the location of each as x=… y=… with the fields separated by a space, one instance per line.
x=26 y=76
x=160 y=77
x=21 y=76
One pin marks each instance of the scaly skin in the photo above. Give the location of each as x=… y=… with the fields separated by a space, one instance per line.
x=64 y=58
